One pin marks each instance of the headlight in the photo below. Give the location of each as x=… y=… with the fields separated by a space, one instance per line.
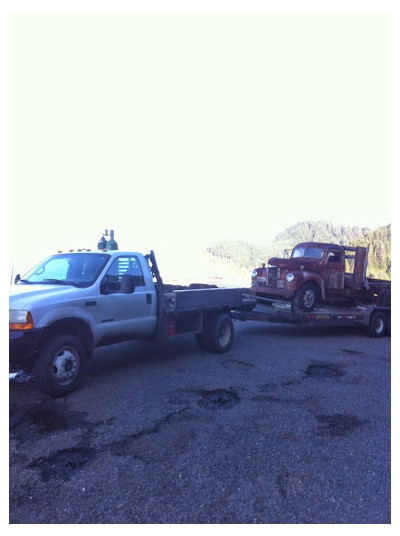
x=254 y=273
x=20 y=320
x=289 y=278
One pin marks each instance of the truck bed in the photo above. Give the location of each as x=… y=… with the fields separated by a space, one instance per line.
x=379 y=284
x=207 y=299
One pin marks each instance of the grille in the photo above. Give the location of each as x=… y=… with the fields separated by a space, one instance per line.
x=272 y=276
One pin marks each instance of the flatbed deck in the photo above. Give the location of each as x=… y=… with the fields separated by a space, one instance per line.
x=205 y=299
x=281 y=312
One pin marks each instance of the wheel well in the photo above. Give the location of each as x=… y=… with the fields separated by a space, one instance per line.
x=72 y=326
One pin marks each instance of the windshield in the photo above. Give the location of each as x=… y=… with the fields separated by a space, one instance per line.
x=78 y=269
x=308 y=252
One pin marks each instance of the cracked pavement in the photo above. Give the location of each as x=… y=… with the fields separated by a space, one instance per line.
x=291 y=426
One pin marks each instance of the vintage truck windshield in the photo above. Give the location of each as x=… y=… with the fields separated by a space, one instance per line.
x=78 y=269
x=308 y=253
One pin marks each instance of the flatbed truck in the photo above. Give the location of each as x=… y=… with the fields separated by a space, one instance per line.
x=74 y=302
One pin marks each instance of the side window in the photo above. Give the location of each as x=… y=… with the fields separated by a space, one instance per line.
x=121 y=266
x=334 y=256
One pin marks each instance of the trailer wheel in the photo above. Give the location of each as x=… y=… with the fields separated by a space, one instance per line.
x=60 y=365
x=377 y=324
x=305 y=299
x=217 y=333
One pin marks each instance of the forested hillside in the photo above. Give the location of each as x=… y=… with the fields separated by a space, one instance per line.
x=248 y=256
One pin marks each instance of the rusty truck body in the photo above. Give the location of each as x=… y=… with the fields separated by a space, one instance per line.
x=316 y=273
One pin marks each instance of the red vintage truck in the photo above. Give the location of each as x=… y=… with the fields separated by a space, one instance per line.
x=316 y=273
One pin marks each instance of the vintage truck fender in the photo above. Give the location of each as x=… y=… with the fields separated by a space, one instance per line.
x=304 y=276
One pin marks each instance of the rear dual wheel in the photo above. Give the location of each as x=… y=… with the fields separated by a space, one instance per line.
x=218 y=332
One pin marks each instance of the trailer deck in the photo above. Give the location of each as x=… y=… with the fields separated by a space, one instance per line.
x=281 y=312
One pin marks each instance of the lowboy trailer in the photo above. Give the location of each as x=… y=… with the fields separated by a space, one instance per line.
x=377 y=319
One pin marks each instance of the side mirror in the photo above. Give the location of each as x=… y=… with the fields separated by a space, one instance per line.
x=17 y=278
x=127 y=284
x=104 y=286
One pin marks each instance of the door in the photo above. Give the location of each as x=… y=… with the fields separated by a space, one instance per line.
x=126 y=312
x=334 y=272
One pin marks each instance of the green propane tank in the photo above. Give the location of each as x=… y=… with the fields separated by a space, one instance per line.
x=112 y=244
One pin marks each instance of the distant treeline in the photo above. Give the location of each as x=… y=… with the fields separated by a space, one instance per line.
x=249 y=256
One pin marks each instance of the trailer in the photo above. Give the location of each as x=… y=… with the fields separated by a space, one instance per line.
x=377 y=319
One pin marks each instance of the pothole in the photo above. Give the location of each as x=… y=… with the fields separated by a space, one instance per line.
x=63 y=464
x=47 y=420
x=218 y=399
x=338 y=425
x=325 y=370
x=28 y=424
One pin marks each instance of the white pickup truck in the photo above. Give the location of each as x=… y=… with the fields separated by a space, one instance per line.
x=72 y=303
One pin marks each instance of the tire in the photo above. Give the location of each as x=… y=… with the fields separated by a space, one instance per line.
x=218 y=333
x=377 y=324
x=61 y=364
x=305 y=299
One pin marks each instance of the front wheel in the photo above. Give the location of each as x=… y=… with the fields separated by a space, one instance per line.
x=217 y=333
x=305 y=299
x=60 y=365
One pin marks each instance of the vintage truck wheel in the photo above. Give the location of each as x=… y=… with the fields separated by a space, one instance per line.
x=60 y=365
x=377 y=324
x=305 y=299
x=217 y=334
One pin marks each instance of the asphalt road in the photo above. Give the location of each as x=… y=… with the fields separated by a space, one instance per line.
x=291 y=426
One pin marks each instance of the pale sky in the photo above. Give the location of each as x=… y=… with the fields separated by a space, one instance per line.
x=177 y=129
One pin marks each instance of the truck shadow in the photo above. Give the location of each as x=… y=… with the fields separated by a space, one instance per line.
x=135 y=354
x=123 y=356
x=303 y=331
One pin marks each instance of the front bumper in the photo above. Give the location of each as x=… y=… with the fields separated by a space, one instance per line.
x=272 y=292
x=23 y=345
